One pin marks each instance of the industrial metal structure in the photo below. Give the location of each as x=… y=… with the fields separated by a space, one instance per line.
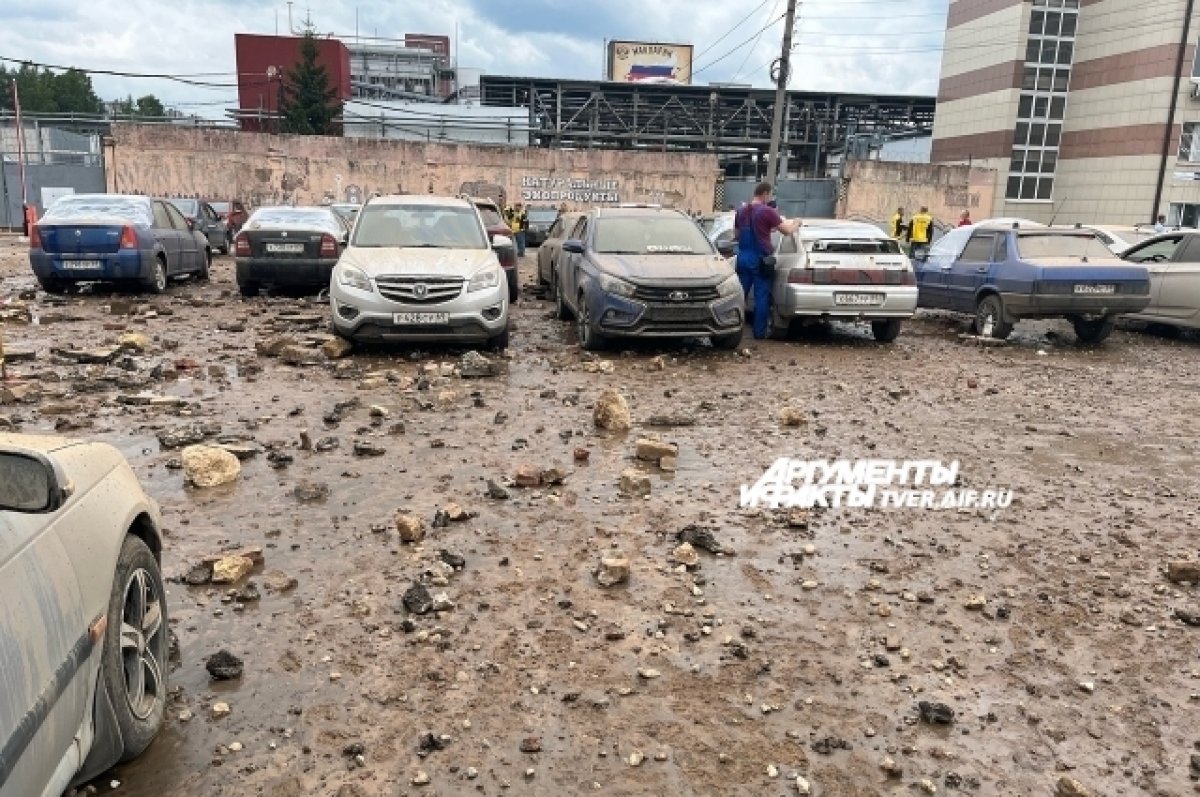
x=734 y=122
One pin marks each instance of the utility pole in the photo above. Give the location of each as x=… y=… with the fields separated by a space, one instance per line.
x=21 y=153
x=782 y=72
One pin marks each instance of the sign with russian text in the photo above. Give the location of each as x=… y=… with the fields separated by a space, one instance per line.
x=567 y=189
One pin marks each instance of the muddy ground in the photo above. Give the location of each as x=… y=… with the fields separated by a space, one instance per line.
x=1049 y=628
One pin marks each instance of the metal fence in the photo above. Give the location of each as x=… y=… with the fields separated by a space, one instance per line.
x=56 y=162
x=811 y=199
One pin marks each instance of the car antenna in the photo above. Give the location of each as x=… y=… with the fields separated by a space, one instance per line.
x=1055 y=216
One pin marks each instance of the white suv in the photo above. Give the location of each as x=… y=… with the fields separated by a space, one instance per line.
x=419 y=268
x=843 y=271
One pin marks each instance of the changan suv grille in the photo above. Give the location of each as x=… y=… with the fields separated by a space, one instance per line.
x=419 y=290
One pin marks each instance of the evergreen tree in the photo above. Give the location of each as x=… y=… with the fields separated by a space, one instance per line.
x=307 y=102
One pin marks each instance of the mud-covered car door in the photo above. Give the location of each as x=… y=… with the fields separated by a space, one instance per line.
x=971 y=270
x=1159 y=256
x=933 y=274
x=570 y=264
x=44 y=645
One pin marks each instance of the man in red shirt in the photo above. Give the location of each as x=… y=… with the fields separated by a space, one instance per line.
x=753 y=226
x=964 y=219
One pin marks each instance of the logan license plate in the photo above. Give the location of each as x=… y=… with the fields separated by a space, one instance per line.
x=1096 y=289
x=82 y=265
x=285 y=249
x=411 y=319
x=858 y=299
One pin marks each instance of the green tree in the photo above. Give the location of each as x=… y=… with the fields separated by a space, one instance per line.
x=43 y=91
x=308 y=104
x=149 y=105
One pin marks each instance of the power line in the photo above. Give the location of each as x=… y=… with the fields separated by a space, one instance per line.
x=727 y=33
x=753 y=47
x=737 y=47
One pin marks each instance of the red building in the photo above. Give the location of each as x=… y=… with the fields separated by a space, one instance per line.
x=263 y=63
x=439 y=45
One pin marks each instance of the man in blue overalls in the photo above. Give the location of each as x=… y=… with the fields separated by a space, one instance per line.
x=753 y=226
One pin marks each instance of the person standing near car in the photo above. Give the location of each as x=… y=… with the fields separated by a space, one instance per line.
x=518 y=222
x=752 y=228
x=920 y=231
x=964 y=219
x=897 y=228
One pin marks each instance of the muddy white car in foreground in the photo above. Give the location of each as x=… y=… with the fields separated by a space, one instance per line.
x=842 y=271
x=83 y=624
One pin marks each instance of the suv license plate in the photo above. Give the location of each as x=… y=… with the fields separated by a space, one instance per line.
x=82 y=264
x=408 y=319
x=1101 y=289
x=858 y=298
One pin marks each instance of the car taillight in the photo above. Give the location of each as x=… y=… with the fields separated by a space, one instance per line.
x=241 y=246
x=910 y=278
x=328 y=246
x=800 y=276
x=129 y=239
x=35 y=237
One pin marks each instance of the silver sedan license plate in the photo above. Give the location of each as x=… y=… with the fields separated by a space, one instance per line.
x=409 y=319
x=285 y=249
x=82 y=264
x=1103 y=290
x=858 y=299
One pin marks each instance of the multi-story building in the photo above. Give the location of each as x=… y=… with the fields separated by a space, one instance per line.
x=385 y=70
x=1089 y=109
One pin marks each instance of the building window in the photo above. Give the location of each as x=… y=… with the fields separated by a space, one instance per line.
x=1049 y=52
x=1189 y=143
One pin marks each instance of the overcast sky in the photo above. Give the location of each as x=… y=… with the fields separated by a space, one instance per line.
x=881 y=46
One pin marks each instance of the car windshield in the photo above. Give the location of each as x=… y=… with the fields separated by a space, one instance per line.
x=419 y=226
x=295 y=217
x=1032 y=246
x=855 y=246
x=658 y=234
x=99 y=208
x=543 y=216
x=220 y=207
x=187 y=207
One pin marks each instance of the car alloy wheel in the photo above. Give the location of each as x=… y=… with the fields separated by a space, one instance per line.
x=141 y=627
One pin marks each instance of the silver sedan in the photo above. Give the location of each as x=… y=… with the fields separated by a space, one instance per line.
x=83 y=621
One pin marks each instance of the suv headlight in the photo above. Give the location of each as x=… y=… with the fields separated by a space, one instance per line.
x=353 y=278
x=488 y=278
x=617 y=287
x=730 y=287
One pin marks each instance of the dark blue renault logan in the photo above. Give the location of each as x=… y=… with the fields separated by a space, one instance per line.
x=1004 y=274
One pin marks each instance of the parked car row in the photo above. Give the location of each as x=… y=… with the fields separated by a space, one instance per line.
x=626 y=271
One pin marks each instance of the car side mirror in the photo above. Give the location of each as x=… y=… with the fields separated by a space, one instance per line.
x=501 y=241
x=573 y=245
x=30 y=484
x=726 y=248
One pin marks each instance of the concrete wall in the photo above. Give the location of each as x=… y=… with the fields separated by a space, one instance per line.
x=268 y=169
x=874 y=189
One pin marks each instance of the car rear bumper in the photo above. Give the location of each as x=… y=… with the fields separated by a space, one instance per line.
x=276 y=271
x=124 y=265
x=807 y=301
x=618 y=316
x=1024 y=305
x=472 y=317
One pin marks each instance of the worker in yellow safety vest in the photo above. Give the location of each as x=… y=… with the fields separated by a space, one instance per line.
x=920 y=233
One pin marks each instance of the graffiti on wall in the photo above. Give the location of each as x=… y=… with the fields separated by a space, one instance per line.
x=568 y=189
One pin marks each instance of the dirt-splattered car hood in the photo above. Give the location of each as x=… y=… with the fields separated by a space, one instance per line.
x=659 y=268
